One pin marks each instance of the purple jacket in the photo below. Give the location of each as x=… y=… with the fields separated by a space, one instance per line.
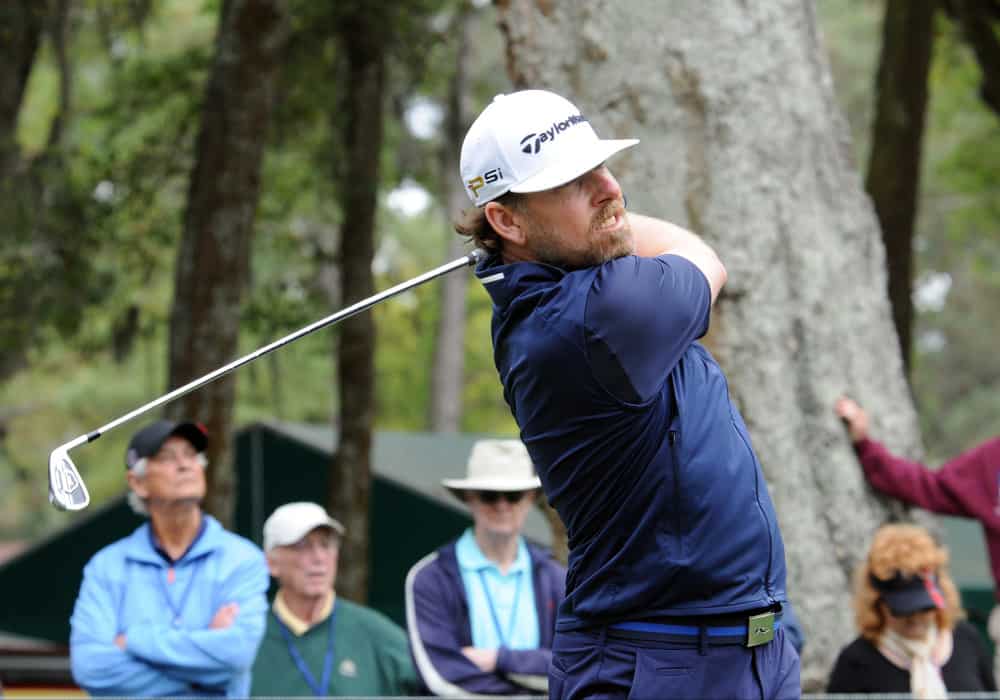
x=437 y=617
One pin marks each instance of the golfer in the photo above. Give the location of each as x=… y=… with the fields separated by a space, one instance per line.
x=676 y=568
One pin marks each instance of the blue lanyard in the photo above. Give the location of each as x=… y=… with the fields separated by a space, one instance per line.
x=504 y=639
x=319 y=689
x=177 y=610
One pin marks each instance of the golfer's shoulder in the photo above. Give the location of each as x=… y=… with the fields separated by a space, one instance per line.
x=631 y=288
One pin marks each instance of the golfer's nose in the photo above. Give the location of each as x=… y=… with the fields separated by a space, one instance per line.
x=605 y=186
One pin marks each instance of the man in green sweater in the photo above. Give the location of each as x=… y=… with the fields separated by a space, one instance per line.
x=317 y=643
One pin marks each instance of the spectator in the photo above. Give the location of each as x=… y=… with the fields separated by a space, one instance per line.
x=317 y=643
x=481 y=610
x=912 y=637
x=177 y=607
x=967 y=486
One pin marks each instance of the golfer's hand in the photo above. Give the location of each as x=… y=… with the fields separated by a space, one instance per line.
x=854 y=416
x=484 y=659
x=224 y=617
x=120 y=642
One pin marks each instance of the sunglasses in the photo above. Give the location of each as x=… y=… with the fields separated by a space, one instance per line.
x=491 y=497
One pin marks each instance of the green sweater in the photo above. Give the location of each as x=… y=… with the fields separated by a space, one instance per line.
x=371 y=656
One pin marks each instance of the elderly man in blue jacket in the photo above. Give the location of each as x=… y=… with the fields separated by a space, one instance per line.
x=177 y=607
x=481 y=610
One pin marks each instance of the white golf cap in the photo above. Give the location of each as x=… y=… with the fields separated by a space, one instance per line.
x=291 y=522
x=497 y=465
x=530 y=141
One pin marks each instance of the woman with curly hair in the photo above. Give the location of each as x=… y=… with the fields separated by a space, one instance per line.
x=913 y=636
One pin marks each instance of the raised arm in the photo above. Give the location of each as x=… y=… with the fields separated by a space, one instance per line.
x=655 y=237
x=962 y=486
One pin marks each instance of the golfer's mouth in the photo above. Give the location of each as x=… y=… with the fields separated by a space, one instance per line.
x=610 y=222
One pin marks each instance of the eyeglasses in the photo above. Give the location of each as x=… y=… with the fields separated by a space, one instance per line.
x=491 y=497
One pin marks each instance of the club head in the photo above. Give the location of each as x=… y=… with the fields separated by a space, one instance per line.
x=66 y=488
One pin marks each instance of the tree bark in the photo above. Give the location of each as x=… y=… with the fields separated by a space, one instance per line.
x=449 y=353
x=743 y=142
x=893 y=180
x=361 y=36
x=213 y=261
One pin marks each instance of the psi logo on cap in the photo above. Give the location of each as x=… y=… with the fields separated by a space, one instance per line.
x=480 y=181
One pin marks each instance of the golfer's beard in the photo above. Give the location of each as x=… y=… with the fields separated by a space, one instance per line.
x=600 y=247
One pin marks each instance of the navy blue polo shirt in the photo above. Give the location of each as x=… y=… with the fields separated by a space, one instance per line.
x=640 y=450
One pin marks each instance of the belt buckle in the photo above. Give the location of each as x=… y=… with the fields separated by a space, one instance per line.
x=760 y=629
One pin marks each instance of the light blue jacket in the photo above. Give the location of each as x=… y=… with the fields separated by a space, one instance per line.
x=128 y=589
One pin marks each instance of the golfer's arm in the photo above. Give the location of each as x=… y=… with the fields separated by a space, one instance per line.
x=655 y=237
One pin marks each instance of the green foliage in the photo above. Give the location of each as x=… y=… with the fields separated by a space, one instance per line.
x=102 y=288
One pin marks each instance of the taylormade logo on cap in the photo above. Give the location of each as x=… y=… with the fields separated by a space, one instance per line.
x=526 y=143
x=530 y=141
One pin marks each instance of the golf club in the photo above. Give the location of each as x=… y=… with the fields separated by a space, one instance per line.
x=66 y=488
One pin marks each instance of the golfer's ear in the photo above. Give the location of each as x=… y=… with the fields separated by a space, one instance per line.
x=505 y=221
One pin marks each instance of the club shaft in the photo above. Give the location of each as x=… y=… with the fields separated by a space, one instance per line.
x=347 y=312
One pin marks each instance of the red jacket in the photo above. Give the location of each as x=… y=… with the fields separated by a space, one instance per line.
x=967 y=486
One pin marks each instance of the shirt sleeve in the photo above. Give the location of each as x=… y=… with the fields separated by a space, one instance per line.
x=435 y=641
x=642 y=315
x=963 y=486
x=208 y=656
x=98 y=665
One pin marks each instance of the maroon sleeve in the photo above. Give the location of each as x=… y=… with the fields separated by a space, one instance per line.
x=965 y=486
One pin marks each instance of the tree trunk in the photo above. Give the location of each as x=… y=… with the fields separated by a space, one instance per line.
x=361 y=38
x=743 y=142
x=897 y=135
x=449 y=352
x=21 y=25
x=978 y=20
x=213 y=261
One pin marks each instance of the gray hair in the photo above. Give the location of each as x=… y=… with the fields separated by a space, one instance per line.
x=137 y=504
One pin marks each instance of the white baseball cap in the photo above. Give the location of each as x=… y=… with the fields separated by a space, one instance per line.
x=496 y=465
x=530 y=141
x=291 y=522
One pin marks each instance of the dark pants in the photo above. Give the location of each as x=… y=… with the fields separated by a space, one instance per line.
x=594 y=664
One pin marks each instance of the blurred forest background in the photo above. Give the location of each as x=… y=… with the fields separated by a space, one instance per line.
x=106 y=134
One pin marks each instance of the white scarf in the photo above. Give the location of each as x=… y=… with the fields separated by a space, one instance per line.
x=923 y=658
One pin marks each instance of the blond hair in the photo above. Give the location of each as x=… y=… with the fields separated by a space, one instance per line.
x=909 y=550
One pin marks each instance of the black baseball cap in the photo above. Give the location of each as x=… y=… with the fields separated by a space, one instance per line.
x=148 y=441
x=906 y=595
